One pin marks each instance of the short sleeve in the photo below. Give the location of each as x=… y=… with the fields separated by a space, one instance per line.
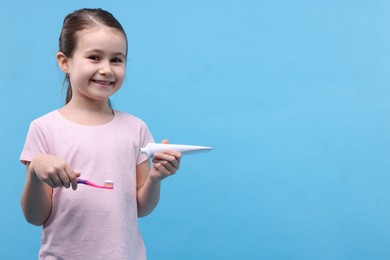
x=145 y=138
x=35 y=144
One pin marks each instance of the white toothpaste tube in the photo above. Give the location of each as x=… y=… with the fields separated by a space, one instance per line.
x=152 y=148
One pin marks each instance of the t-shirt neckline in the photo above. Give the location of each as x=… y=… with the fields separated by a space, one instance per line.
x=82 y=125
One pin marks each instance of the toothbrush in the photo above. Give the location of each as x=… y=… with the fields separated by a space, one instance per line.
x=108 y=184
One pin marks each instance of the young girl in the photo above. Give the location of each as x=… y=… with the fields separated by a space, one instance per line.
x=87 y=138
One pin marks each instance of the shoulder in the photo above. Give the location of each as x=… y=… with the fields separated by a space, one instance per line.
x=51 y=123
x=132 y=125
x=49 y=118
x=41 y=127
x=128 y=118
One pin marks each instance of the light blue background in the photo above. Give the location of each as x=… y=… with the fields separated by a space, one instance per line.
x=294 y=96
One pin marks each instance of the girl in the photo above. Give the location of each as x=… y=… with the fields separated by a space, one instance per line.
x=88 y=138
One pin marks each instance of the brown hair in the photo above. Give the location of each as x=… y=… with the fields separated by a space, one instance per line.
x=80 y=20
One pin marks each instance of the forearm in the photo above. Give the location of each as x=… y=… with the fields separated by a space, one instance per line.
x=149 y=179
x=148 y=197
x=36 y=200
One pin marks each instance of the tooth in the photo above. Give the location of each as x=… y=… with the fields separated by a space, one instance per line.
x=103 y=82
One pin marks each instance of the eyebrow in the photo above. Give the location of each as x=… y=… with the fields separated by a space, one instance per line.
x=100 y=51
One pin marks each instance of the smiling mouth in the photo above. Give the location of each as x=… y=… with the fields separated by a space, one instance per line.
x=103 y=82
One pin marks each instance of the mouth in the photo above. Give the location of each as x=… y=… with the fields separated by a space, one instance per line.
x=103 y=82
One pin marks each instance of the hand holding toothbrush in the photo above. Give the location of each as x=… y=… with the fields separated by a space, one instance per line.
x=54 y=172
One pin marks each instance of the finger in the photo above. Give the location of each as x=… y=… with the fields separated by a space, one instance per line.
x=177 y=156
x=63 y=175
x=173 y=162
x=171 y=156
x=50 y=183
x=164 y=141
x=168 y=165
x=57 y=183
x=168 y=155
x=171 y=165
x=165 y=166
x=74 y=180
x=164 y=172
x=72 y=176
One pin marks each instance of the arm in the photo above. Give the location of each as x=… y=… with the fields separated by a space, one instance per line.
x=149 y=179
x=148 y=190
x=44 y=173
x=36 y=199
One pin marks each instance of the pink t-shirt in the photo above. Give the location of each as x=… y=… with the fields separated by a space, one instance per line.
x=92 y=223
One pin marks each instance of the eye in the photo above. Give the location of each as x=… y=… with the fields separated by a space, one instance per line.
x=94 y=57
x=117 y=60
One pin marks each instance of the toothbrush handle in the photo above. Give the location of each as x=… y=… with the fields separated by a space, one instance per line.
x=95 y=185
x=82 y=181
x=86 y=182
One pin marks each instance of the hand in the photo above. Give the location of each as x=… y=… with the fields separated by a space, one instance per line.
x=54 y=171
x=165 y=164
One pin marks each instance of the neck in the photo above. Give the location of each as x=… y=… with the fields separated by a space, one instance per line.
x=91 y=113
x=90 y=106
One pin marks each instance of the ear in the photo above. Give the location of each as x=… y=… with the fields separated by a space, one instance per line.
x=63 y=62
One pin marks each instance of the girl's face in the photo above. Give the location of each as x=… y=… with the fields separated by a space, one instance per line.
x=97 y=67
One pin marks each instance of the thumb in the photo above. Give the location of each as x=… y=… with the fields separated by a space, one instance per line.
x=77 y=174
x=164 y=141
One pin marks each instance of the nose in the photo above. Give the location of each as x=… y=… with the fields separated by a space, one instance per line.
x=105 y=69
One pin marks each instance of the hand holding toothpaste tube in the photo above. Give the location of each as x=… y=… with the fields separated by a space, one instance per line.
x=165 y=162
x=166 y=157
